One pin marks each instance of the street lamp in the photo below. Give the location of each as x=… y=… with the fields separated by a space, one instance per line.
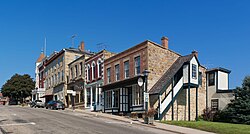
x=146 y=73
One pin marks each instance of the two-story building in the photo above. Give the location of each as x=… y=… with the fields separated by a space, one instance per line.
x=76 y=80
x=150 y=75
x=94 y=79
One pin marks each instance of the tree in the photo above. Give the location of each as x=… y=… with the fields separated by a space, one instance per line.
x=238 y=111
x=18 y=87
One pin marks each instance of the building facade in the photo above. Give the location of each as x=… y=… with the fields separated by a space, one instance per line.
x=39 y=90
x=94 y=79
x=56 y=72
x=175 y=86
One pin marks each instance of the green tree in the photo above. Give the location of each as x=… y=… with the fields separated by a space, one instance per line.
x=238 y=111
x=18 y=87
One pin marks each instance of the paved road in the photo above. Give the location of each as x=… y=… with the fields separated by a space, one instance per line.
x=25 y=120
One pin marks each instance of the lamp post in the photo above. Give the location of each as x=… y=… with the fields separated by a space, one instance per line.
x=146 y=73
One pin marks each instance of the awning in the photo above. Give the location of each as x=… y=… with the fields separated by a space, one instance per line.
x=46 y=96
x=120 y=84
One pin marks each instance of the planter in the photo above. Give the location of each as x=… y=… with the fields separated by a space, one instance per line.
x=149 y=120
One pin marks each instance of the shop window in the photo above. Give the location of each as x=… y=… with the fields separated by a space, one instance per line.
x=137 y=95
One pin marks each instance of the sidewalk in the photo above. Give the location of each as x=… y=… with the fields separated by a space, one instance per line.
x=157 y=125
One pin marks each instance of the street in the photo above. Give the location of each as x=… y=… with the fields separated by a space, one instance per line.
x=25 y=120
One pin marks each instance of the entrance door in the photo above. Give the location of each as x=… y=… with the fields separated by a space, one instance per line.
x=88 y=104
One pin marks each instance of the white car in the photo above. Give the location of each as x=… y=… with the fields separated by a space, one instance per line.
x=39 y=104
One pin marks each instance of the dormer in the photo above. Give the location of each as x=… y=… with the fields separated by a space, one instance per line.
x=218 y=78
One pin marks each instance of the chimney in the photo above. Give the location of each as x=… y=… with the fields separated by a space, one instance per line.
x=164 y=42
x=195 y=53
x=81 y=46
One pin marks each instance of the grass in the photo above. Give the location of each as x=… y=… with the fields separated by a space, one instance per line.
x=216 y=127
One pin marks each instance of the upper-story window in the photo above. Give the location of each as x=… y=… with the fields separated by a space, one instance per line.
x=117 y=72
x=126 y=69
x=88 y=73
x=211 y=79
x=137 y=65
x=72 y=73
x=93 y=70
x=62 y=76
x=200 y=78
x=108 y=75
x=99 y=64
x=194 y=71
x=59 y=77
x=80 y=73
x=76 y=70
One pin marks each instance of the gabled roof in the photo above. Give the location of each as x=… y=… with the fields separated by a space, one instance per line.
x=41 y=57
x=169 y=74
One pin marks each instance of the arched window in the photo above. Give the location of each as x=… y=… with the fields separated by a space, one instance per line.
x=99 y=68
x=93 y=70
x=88 y=73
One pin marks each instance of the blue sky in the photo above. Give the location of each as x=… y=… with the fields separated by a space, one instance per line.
x=218 y=30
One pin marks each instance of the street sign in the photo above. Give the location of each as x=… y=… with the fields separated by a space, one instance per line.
x=146 y=96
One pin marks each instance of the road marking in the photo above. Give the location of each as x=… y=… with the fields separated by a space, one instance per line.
x=18 y=124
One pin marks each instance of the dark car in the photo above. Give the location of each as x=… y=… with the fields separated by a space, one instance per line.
x=55 y=105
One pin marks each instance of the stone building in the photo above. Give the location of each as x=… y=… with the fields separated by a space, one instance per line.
x=76 y=80
x=218 y=91
x=175 y=86
x=94 y=79
x=56 y=71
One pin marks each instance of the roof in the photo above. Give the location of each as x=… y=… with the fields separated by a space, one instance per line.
x=41 y=57
x=169 y=74
x=218 y=69
x=139 y=45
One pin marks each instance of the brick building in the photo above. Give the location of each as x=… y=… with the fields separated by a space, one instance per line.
x=176 y=84
x=94 y=79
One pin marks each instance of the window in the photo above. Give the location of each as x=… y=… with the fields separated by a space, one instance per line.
x=88 y=73
x=117 y=72
x=76 y=70
x=215 y=104
x=62 y=76
x=58 y=77
x=80 y=73
x=99 y=68
x=137 y=65
x=108 y=75
x=194 y=71
x=126 y=69
x=116 y=98
x=72 y=73
x=136 y=95
x=108 y=99
x=200 y=78
x=211 y=79
x=93 y=70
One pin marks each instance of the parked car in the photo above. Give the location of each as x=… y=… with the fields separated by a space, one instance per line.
x=37 y=103
x=55 y=105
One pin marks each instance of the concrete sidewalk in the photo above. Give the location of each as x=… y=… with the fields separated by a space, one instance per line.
x=158 y=125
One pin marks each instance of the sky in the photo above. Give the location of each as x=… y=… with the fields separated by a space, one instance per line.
x=218 y=29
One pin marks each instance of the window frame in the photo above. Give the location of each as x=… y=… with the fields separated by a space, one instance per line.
x=126 y=69
x=137 y=65
x=117 y=72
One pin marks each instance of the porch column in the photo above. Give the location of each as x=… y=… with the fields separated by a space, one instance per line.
x=159 y=110
x=91 y=97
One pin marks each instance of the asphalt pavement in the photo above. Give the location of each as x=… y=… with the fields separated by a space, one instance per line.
x=25 y=120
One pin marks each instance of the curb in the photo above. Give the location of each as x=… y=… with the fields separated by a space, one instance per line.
x=136 y=123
